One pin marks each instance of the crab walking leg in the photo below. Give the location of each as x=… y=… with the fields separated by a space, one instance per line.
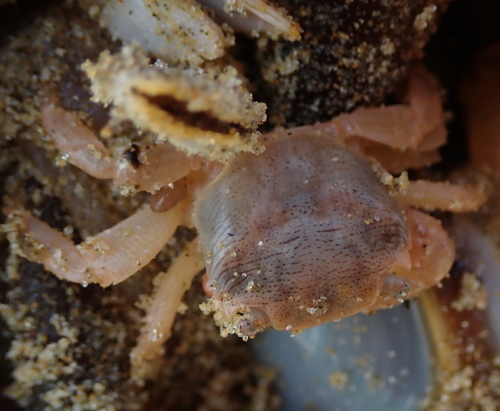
x=74 y=140
x=152 y=167
x=35 y=240
x=400 y=126
x=161 y=314
x=442 y=195
x=158 y=166
x=119 y=252
x=433 y=139
x=107 y=258
x=396 y=126
x=424 y=96
x=168 y=196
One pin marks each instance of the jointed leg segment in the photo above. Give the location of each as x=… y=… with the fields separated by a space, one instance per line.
x=161 y=313
x=108 y=258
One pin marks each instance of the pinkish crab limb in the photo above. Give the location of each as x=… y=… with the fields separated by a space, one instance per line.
x=80 y=145
x=386 y=132
x=396 y=126
x=107 y=258
x=440 y=195
x=163 y=309
x=145 y=168
x=152 y=167
x=424 y=96
x=394 y=159
x=169 y=196
x=417 y=125
x=393 y=135
x=433 y=139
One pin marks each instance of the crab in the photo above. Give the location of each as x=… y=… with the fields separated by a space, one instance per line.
x=297 y=227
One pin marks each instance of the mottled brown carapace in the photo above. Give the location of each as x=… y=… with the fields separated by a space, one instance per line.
x=303 y=234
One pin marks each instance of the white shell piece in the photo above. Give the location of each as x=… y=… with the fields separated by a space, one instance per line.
x=255 y=17
x=373 y=362
x=177 y=30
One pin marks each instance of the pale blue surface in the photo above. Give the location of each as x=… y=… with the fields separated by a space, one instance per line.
x=385 y=357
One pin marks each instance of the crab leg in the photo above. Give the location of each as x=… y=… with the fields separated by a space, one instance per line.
x=424 y=96
x=396 y=126
x=169 y=196
x=37 y=241
x=81 y=147
x=441 y=195
x=157 y=166
x=163 y=309
x=107 y=258
x=144 y=168
x=400 y=126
